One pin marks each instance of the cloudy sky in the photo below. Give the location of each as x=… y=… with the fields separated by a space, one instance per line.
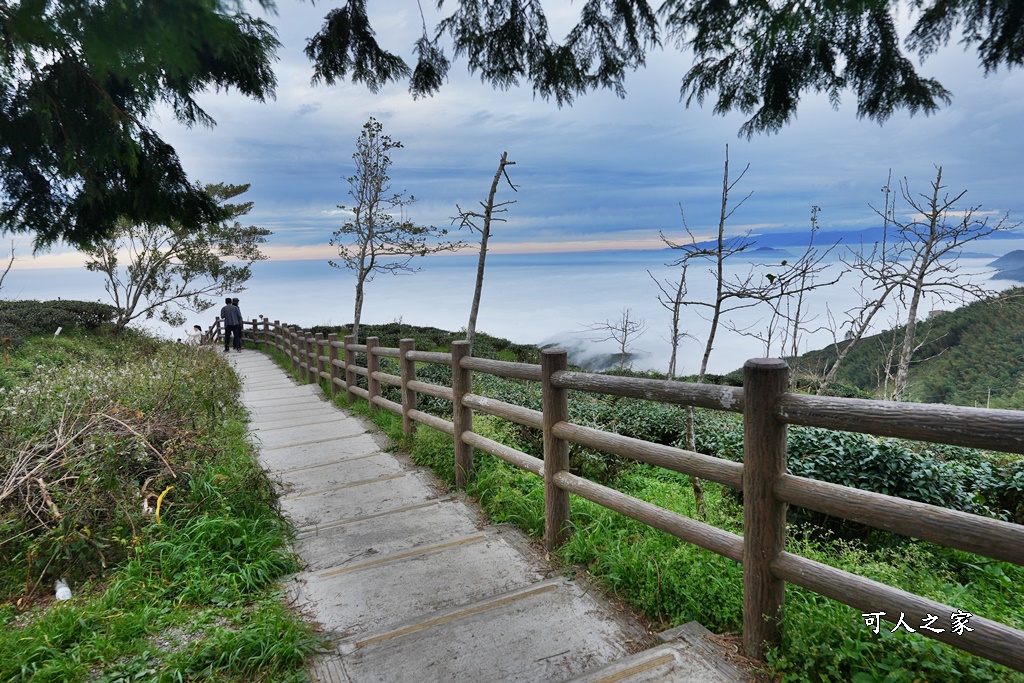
x=604 y=173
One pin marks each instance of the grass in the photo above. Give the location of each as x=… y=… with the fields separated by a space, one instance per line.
x=194 y=596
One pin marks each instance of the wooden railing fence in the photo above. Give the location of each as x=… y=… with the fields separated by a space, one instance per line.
x=767 y=410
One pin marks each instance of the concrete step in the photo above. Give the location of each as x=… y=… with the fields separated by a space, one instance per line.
x=313 y=415
x=689 y=656
x=307 y=434
x=380 y=593
x=284 y=458
x=385 y=534
x=343 y=472
x=361 y=499
x=542 y=633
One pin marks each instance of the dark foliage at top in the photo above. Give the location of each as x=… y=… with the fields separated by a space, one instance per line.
x=81 y=78
x=752 y=56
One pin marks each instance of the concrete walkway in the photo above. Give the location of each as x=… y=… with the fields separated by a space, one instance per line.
x=414 y=585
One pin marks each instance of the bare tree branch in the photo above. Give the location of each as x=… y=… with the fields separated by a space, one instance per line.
x=467 y=218
x=921 y=257
x=10 y=262
x=621 y=331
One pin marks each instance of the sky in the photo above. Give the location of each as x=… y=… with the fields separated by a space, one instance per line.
x=605 y=173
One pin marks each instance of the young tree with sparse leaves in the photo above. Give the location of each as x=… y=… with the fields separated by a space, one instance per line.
x=379 y=237
x=154 y=270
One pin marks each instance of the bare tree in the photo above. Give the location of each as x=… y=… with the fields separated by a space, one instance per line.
x=922 y=257
x=379 y=237
x=673 y=302
x=785 y=292
x=874 y=295
x=469 y=219
x=168 y=269
x=10 y=262
x=622 y=331
x=756 y=287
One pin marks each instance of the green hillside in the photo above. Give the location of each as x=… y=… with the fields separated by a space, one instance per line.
x=970 y=356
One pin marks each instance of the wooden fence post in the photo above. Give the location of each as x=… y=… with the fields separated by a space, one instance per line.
x=293 y=349
x=765 y=380
x=309 y=347
x=278 y=340
x=372 y=366
x=350 y=374
x=215 y=332
x=555 y=405
x=408 y=372
x=462 y=417
x=266 y=333
x=318 y=366
x=332 y=358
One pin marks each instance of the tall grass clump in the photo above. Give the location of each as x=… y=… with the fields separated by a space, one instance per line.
x=125 y=469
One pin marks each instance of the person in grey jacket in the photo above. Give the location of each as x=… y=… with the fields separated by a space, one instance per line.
x=232 y=319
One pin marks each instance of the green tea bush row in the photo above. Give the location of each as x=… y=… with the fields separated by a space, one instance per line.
x=19 y=319
x=952 y=477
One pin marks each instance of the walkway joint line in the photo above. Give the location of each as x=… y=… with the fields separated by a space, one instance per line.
x=403 y=556
x=477 y=609
x=342 y=487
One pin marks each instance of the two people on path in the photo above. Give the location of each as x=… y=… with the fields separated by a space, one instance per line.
x=231 y=316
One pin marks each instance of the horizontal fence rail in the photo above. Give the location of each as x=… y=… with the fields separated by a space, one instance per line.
x=767 y=408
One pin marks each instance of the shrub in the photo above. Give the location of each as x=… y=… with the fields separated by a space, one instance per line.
x=19 y=319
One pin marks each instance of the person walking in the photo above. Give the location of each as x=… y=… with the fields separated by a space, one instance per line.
x=241 y=325
x=231 y=316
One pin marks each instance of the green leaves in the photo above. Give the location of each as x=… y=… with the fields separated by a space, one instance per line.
x=81 y=80
x=173 y=267
x=347 y=43
x=753 y=56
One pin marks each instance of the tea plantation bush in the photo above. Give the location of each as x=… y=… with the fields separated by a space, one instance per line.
x=952 y=477
x=19 y=319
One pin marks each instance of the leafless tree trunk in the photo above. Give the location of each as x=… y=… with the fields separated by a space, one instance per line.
x=673 y=301
x=755 y=288
x=10 y=262
x=468 y=219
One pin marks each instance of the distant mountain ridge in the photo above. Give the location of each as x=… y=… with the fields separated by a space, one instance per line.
x=796 y=240
x=1010 y=266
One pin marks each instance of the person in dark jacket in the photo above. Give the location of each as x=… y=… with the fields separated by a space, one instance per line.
x=241 y=325
x=231 y=316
